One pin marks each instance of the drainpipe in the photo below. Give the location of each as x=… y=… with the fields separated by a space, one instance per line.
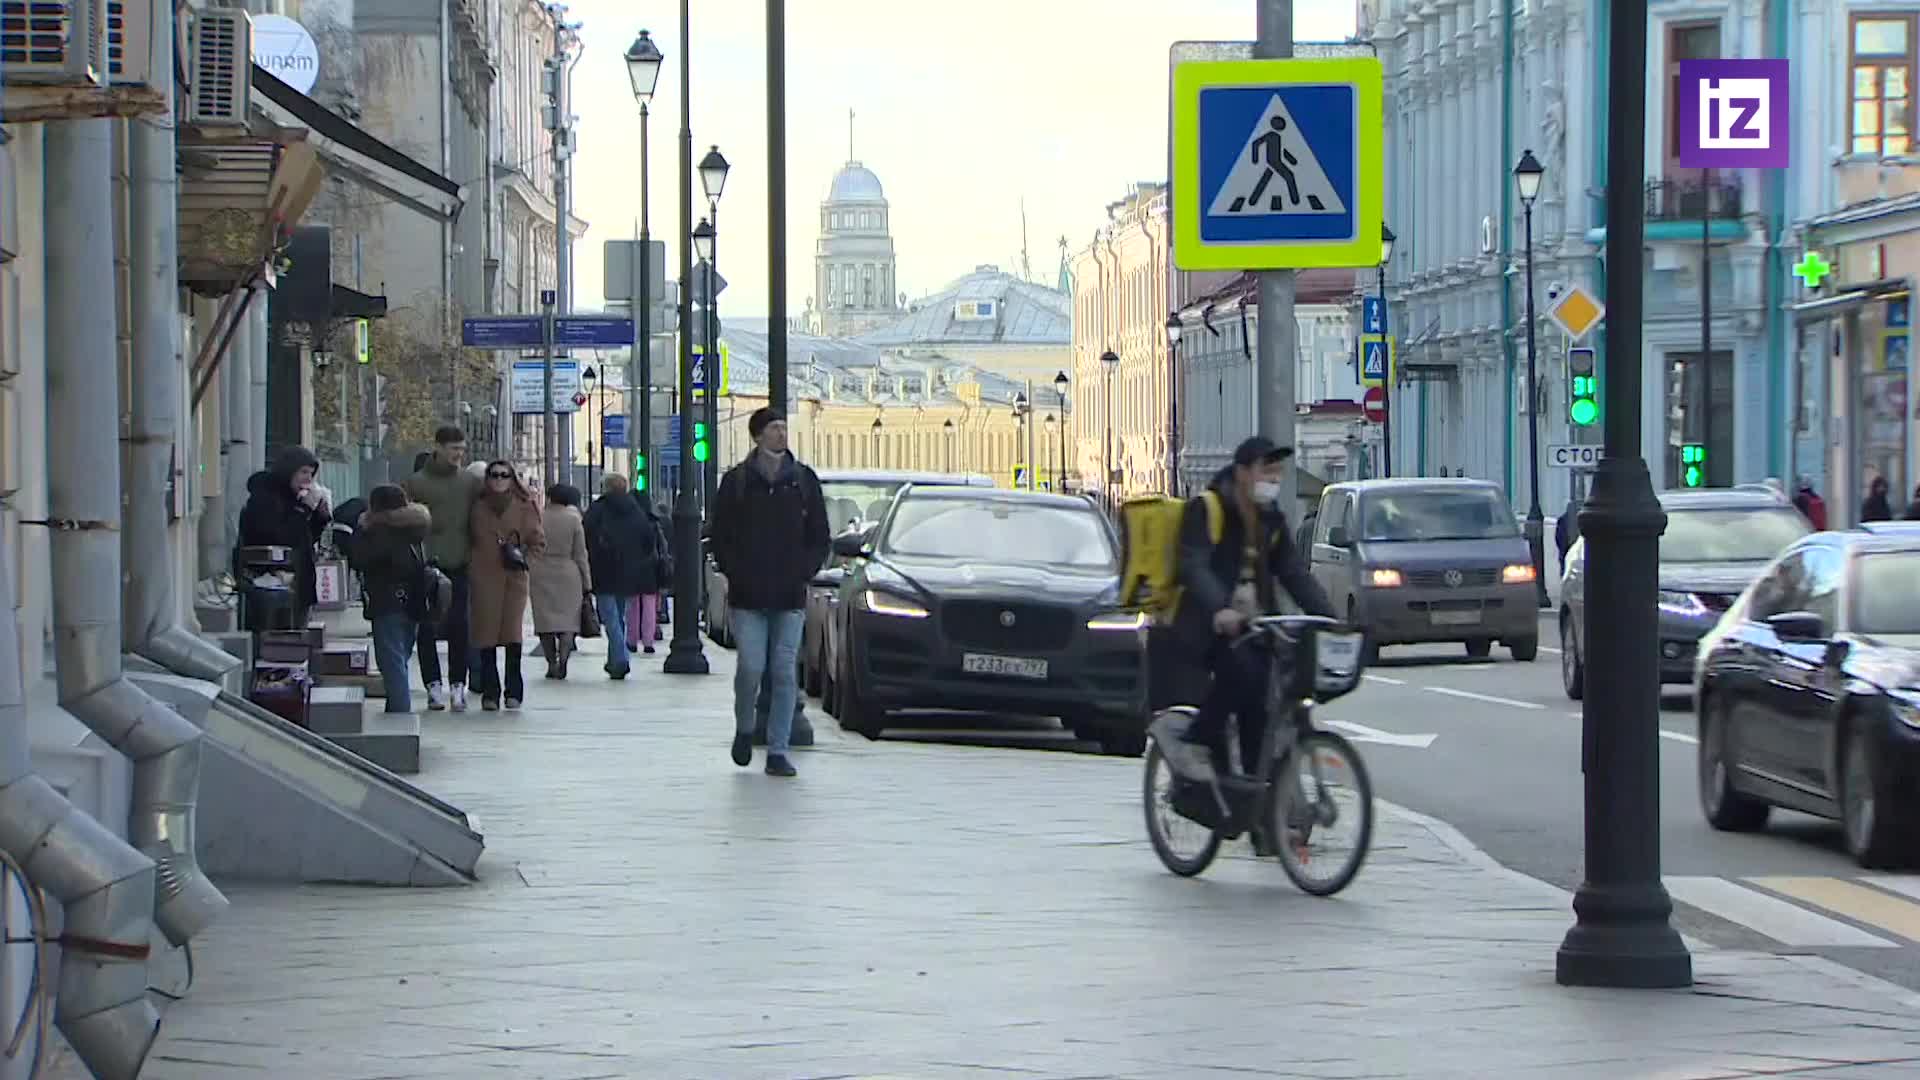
x=105 y=885
x=1506 y=233
x=151 y=626
x=259 y=337
x=236 y=371
x=83 y=482
x=1773 y=292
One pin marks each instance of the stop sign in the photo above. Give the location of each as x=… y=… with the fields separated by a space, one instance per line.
x=1374 y=404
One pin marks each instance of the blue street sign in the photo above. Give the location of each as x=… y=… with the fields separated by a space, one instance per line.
x=591 y=331
x=613 y=431
x=669 y=448
x=1373 y=315
x=1373 y=361
x=548 y=298
x=1277 y=164
x=503 y=332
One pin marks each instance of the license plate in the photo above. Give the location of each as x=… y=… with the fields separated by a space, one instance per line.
x=1455 y=618
x=1019 y=667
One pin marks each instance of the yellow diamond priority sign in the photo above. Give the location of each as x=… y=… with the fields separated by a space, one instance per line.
x=1577 y=312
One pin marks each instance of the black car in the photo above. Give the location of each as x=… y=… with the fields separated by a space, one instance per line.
x=1715 y=545
x=983 y=600
x=1808 y=693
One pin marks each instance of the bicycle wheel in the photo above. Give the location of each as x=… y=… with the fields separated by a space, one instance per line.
x=1185 y=847
x=1323 y=813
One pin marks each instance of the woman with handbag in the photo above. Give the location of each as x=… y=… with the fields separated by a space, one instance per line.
x=507 y=535
x=562 y=580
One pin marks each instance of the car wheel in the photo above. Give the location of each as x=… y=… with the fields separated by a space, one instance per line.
x=1525 y=649
x=1573 y=669
x=1480 y=648
x=1725 y=809
x=1872 y=830
x=857 y=714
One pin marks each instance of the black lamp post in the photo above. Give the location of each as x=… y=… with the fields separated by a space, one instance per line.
x=713 y=180
x=1526 y=176
x=684 y=655
x=1386 y=343
x=1060 y=387
x=643 y=73
x=1020 y=412
x=493 y=430
x=599 y=436
x=1109 y=362
x=1623 y=936
x=876 y=442
x=952 y=434
x=1050 y=434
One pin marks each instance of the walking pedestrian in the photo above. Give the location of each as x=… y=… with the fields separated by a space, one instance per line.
x=1876 y=507
x=561 y=578
x=1810 y=504
x=287 y=508
x=769 y=537
x=1565 y=531
x=447 y=490
x=623 y=547
x=389 y=551
x=643 y=610
x=506 y=535
x=1913 y=507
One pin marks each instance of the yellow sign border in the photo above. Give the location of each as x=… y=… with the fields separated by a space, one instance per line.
x=1364 y=340
x=1366 y=76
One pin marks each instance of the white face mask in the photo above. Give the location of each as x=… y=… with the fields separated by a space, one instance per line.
x=1266 y=491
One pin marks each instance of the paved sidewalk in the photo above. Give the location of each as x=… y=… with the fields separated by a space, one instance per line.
x=650 y=912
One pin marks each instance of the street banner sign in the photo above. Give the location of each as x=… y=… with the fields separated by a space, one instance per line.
x=1373 y=315
x=1576 y=312
x=1373 y=404
x=1277 y=164
x=613 y=431
x=1568 y=456
x=1376 y=360
x=528 y=377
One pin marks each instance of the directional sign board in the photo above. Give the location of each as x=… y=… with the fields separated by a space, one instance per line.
x=528 y=331
x=1277 y=164
x=1567 y=456
x=613 y=431
x=528 y=377
x=1577 y=312
x=1376 y=360
x=592 y=332
x=1373 y=315
x=503 y=331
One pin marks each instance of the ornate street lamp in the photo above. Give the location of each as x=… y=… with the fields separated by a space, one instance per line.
x=1526 y=177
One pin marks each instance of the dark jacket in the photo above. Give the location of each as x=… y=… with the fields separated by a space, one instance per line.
x=1566 y=531
x=622 y=546
x=1913 y=509
x=275 y=516
x=769 y=537
x=448 y=494
x=1209 y=571
x=388 y=550
x=1875 y=507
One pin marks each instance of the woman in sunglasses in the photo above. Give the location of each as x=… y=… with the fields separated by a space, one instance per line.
x=507 y=535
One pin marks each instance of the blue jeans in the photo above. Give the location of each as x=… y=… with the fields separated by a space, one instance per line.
x=613 y=623
x=393 y=638
x=767 y=642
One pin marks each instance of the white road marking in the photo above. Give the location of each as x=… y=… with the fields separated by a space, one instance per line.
x=1488 y=698
x=1363 y=733
x=1786 y=923
x=1679 y=736
x=1472 y=667
x=1907 y=884
x=1385 y=679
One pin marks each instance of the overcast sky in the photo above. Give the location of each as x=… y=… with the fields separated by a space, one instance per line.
x=962 y=109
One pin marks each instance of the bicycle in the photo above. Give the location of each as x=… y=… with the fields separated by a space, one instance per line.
x=1316 y=659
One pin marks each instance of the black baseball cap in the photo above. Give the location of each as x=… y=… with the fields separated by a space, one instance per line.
x=1260 y=450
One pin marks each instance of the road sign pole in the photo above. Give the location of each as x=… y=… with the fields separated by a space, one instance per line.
x=547 y=446
x=686 y=656
x=1386 y=380
x=1273 y=39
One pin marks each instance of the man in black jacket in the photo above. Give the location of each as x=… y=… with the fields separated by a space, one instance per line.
x=769 y=529
x=623 y=556
x=1225 y=584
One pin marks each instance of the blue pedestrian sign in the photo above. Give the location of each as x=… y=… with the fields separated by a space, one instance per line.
x=1373 y=315
x=1376 y=360
x=1277 y=164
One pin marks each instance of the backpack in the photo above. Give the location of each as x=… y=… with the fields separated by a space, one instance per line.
x=434 y=593
x=1150 y=540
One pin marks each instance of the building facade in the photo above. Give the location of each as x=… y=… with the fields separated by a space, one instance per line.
x=855 y=278
x=988 y=319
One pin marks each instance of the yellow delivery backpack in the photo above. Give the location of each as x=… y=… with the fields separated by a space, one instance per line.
x=1150 y=541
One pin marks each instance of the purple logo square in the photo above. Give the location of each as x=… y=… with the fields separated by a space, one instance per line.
x=1733 y=114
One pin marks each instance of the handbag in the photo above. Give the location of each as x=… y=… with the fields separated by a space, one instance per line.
x=589 y=618
x=513 y=553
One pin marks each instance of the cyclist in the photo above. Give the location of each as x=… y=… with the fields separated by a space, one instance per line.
x=1223 y=586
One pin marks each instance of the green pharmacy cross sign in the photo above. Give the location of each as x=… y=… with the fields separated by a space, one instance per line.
x=1812 y=269
x=1693 y=465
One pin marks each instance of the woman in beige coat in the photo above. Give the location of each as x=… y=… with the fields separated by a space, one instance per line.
x=505 y=513
x=561 y=579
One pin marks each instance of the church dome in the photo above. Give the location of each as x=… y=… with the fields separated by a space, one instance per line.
x=856 y=184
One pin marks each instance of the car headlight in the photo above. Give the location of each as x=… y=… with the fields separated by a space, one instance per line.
x=1517 y=574
x=1119 y=620
x=900 y=607
x=1681 y=603
x=1385 y=579
x=1906 y=707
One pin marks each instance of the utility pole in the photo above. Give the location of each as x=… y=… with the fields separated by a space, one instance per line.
x=776 y=204
x=1278 y=345
x=550 y=462
x=1706 y=320
x=559 y=80
x=685 y=656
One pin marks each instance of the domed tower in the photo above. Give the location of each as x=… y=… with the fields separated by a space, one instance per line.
x=854 y=287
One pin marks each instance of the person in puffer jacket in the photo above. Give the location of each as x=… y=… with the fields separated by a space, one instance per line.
x=390 y=554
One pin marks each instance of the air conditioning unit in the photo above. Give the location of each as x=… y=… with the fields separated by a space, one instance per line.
x=130 y=41
x=221 y=68
x=54 y=42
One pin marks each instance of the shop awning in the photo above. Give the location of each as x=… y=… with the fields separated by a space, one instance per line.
x=1851 y=299
x=354 y=152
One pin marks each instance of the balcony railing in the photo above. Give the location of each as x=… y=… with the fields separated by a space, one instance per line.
x=1690 y=200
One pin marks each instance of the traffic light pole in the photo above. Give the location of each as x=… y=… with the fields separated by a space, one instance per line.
x=684 y=655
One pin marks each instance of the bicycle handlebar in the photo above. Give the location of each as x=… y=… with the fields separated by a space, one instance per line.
x=1286 y=626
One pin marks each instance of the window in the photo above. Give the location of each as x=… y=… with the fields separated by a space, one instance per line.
x=1685 y=41
x=1886 y=593
x=1825 y=568
x=1336 y=515
x=1785 y=589
x=1883 y=63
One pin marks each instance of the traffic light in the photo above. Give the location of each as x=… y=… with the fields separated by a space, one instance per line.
x=639 y=471
x=1693 y=465
x=1583 y=388
x=700 y=451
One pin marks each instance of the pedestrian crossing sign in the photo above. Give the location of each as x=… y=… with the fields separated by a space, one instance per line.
x=1376 y=360
x=1277 y=164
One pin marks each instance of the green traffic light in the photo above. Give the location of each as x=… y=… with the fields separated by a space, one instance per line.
x=640 y=481
x=1692 y=476
x=700 y=450
x=1583 y=411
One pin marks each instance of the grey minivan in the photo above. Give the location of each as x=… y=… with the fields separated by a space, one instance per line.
x=1422 y=560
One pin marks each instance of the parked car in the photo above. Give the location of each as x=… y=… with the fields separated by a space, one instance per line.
x=852 y=495
x=1716 y=543
x=1427 y=560
x=1808 y=693
x=989 y=601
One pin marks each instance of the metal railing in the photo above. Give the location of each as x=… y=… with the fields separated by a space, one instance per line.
x=1676 y=199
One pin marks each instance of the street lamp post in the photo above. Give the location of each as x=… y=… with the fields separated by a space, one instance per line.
x=1050 y=435
x=599 y=435
x=1526 y=176
x=493 y=429
x=643 y=73
x=1624 y=935
x=685 y=655
x=1174 y=328
x=1021 y=442
x=1060 y=388
x=876 y=442
x=713 y=180
x=1109 y=361
x=1386 y=344
x=951 y=435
